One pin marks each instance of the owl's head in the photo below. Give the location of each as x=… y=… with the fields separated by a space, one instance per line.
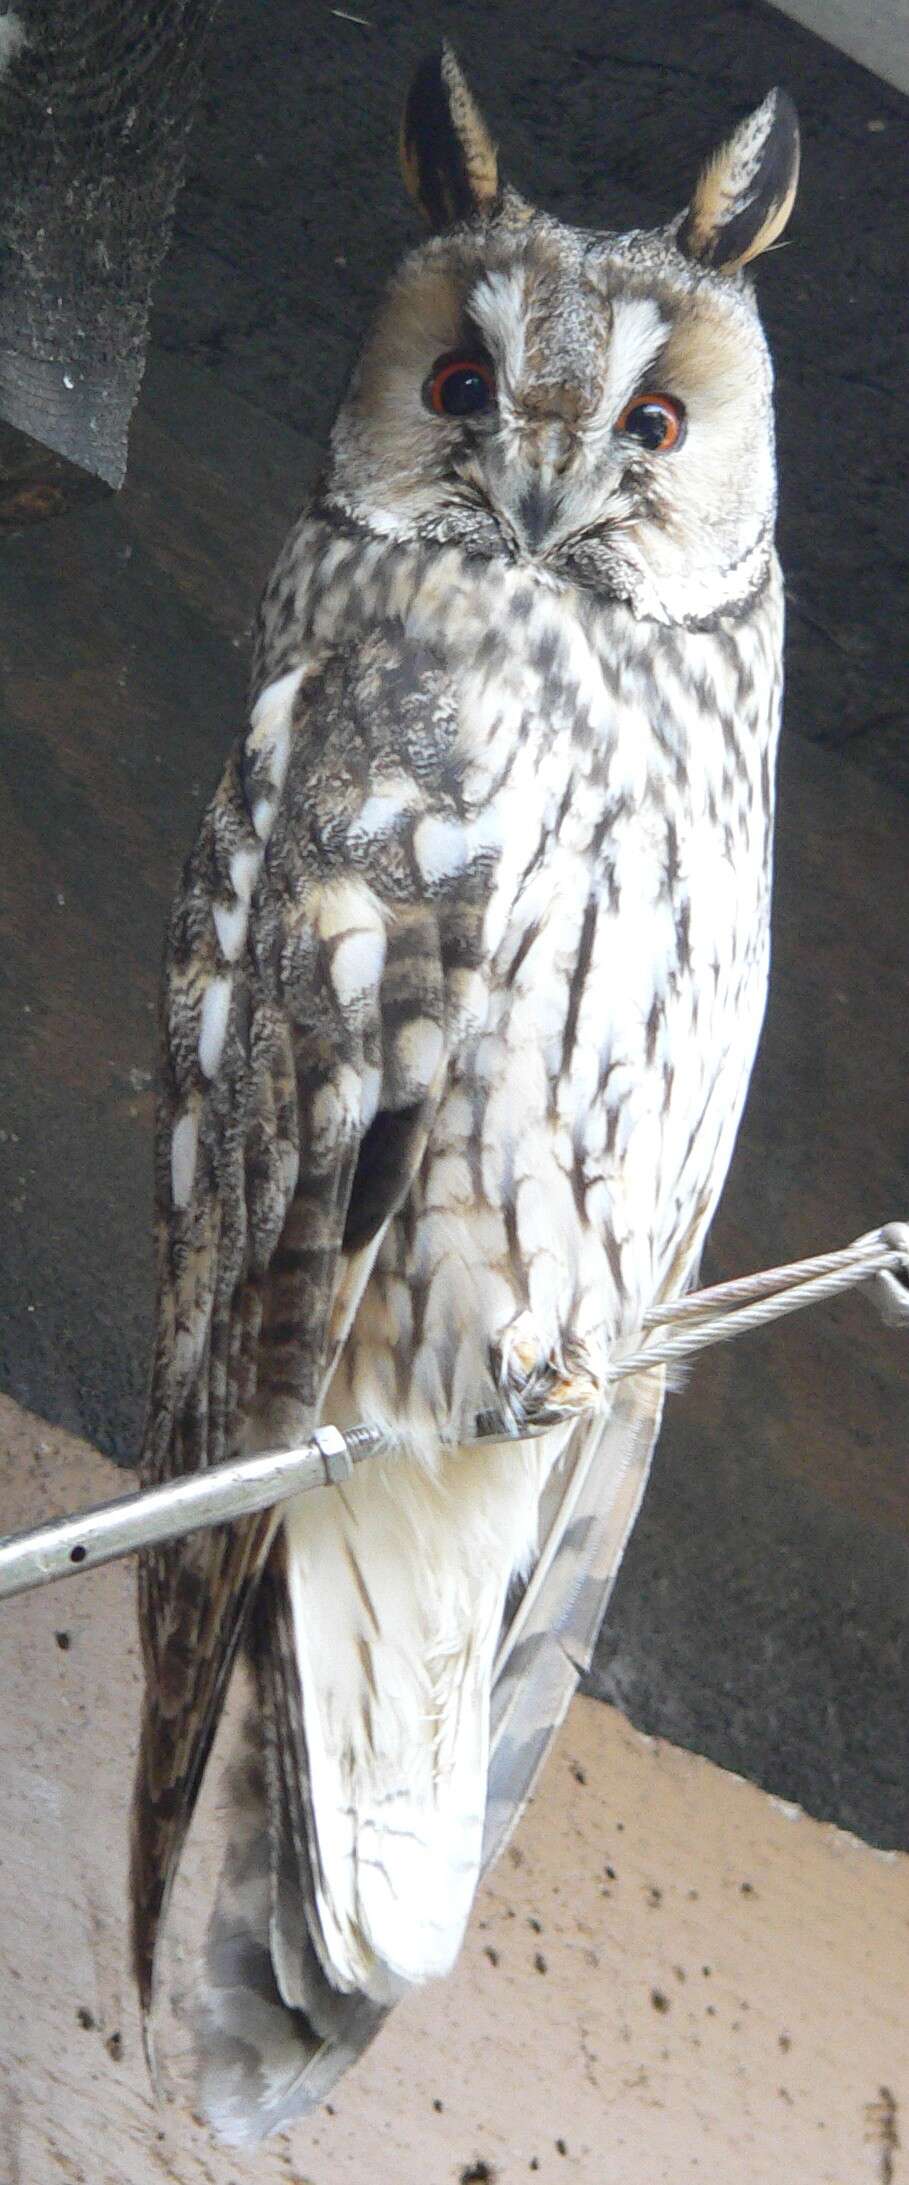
x=594 y=405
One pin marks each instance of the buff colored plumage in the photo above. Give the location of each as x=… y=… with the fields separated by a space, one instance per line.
x=463 y=986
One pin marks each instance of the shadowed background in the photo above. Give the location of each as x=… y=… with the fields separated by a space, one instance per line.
x=762 y=1611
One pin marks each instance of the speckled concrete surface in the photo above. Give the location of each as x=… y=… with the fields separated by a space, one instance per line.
x=877 y=36
x=762 y=1612
x=669 y=1975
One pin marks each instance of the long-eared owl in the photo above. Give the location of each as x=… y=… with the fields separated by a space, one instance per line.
x=463 y=985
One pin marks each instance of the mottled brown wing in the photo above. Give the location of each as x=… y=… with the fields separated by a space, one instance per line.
x=309 y=997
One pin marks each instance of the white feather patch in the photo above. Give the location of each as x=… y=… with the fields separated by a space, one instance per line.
x=243 y=872
x=356 y=966
x=213 y=1024
x=335 y=1111
x=268 y=740
x=230 y=927
x=274 y=705
x=245 y=866
x=418 y=1050
x=370 y=1095
x=263 y=813
x=184 y=1147
x=348 y=906
x=441 y=849
x=381 y=811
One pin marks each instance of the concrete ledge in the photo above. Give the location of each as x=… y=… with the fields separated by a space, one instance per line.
x=876 y=33
x=670 y=1975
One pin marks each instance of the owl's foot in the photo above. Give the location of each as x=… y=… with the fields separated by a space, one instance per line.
x=539 y=1388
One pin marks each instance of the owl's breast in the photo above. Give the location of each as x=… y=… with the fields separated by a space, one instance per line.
x=585 y=1131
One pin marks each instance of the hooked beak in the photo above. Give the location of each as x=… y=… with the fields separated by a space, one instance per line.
x=537 y=497
x=537 y=512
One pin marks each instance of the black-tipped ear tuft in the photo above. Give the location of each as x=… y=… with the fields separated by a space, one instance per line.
x=448 y=158
x=745 y=194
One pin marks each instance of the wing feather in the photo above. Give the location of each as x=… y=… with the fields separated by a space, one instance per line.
x=304 y=998
x=549 y=1640
x=315 y=994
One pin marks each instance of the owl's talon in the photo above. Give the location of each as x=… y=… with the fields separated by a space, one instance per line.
x=539 y=1388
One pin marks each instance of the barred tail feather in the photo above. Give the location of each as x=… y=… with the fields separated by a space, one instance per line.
x=221 y=2036
x=548 y=1644
x=323 y=1914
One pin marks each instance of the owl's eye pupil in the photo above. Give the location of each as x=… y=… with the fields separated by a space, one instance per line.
x=656 y=421
x=460 y=387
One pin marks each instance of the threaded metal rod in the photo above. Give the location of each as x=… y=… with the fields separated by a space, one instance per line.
x=186 y=1505
x=177 y=1506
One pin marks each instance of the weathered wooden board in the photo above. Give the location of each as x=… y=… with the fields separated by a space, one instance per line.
x=95 y=105
x=669 y=1976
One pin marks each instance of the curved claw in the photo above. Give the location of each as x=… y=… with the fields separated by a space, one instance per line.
x=539 y=1387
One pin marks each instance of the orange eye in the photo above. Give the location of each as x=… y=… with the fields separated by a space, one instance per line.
x=460 y=387
x=657 y=422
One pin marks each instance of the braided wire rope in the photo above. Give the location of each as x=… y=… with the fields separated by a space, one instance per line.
x=692 y=1324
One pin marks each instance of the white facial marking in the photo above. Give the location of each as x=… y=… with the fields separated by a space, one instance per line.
x=230 y=927
x=184 y=1147
x=263 y=813
x=638 y=333
x=213 y=1024
x=498 y=307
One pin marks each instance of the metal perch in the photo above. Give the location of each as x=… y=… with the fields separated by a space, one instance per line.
x=178 y=1506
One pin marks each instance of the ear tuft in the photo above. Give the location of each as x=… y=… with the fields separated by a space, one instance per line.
x=745 y=194
x=448 y=158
